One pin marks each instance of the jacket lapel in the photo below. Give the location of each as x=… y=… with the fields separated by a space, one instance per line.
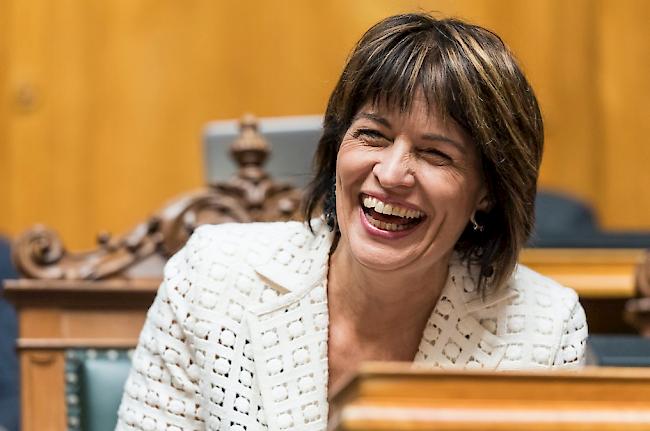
x=289 y=338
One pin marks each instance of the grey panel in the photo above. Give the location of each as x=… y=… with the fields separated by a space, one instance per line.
x=293 y=142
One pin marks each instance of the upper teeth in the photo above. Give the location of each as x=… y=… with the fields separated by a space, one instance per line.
x=390 y=209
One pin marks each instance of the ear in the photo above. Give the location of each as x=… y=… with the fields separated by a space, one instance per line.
x=484 y=203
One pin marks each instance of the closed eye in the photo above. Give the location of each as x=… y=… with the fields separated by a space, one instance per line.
x=434 y=153
x=370 y=136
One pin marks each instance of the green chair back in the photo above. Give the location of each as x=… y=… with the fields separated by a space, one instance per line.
x=94 y=384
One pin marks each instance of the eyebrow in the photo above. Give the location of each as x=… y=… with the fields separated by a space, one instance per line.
x=443 y=138
x=373 y=117
x=427 y=136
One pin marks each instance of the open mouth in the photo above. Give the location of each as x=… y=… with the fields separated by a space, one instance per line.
x=389 y=217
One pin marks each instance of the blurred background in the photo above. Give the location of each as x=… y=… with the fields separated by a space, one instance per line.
x=103 y=103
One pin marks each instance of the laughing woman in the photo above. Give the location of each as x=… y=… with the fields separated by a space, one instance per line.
x=425 y=177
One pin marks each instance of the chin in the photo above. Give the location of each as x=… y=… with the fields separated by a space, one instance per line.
x=378 y=250
x=372 y=254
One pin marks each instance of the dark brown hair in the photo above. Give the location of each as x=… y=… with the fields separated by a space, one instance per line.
x=470 y=76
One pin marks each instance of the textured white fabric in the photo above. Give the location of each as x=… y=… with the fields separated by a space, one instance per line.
x=237 y=336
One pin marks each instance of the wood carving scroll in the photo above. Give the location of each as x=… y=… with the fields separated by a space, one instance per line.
x=250 y=195
x=637 y=310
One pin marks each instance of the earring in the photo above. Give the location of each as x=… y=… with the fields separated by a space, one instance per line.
x=477 y=227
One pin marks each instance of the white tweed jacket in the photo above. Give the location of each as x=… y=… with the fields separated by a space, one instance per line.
x=237 y=336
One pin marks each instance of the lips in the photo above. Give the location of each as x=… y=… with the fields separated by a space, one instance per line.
x=390 y=216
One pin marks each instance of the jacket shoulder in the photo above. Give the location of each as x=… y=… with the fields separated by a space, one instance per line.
x=543 y=292
x=250 y=243
x=220 y=261
x=239 y=232
x=544 y=323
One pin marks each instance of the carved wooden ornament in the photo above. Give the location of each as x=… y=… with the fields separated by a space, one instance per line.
x=250 y=195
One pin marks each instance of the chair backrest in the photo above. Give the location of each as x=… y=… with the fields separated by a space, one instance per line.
x=251 y=194
x=618 y=350
x=564 y=221
x=560 y=214
x=94 y=382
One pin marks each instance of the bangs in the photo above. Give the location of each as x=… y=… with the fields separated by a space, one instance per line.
x=401 y=67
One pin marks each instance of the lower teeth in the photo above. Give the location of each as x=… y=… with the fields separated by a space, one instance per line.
x=392 y=227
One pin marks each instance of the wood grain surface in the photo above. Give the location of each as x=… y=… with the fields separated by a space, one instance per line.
x=103 y=103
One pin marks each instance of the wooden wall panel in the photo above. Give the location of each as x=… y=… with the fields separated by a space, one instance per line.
x=103 y=102
x=624 y=90
x=5 y=148
x=566 y=87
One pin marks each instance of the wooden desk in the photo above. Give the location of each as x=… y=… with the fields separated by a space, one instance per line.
x=395 y=397
x=604 y=279
x=593 y=273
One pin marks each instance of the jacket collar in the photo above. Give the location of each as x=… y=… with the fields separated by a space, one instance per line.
x=455 y=335
x=296 y=268
x=289 y=334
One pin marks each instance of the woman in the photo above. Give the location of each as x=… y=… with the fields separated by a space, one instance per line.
x=426 y=173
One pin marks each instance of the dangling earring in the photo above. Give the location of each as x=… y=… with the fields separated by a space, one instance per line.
x=477 y=227
x=329 y=207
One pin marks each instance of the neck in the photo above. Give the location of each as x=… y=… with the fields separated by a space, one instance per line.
x=381 y=304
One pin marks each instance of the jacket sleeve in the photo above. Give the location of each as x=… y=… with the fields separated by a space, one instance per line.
x=571 y=352
x=161 y=392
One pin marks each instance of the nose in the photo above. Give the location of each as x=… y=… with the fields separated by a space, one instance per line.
x=394 y=168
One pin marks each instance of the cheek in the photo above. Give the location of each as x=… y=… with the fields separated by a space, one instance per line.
x=353 y=165
x=345 y=179
x=452 y=189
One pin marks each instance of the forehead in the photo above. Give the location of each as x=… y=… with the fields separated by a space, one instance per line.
x=419 y=114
